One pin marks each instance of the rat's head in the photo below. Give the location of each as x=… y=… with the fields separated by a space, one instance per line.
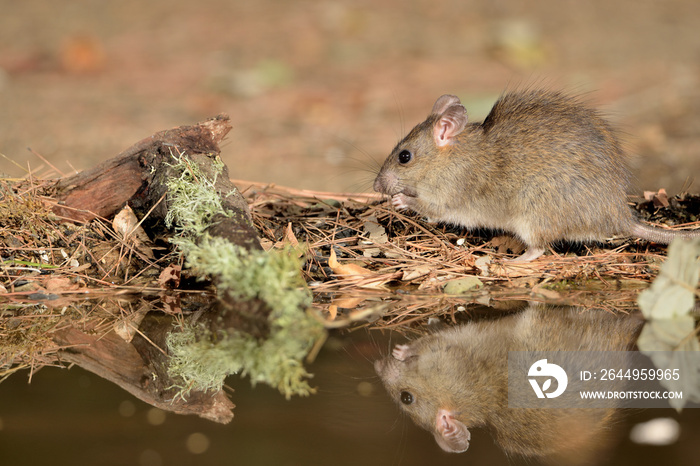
x=414 y=160
x=412 y=378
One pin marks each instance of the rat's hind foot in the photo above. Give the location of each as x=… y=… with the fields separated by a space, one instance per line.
x=532 y=253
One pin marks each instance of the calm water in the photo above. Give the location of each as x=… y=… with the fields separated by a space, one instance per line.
x=72 y=417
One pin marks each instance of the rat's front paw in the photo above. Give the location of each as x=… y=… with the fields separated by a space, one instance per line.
x=400 y=201
x=401 y=352
x=451 y=434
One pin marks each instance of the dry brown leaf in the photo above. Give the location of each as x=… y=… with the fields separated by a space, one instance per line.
x=432 y=284
x=171 y=304
x=126 y=328
x=348 y=302
x=59 y=285
x=483 y=263
x=80 y=268
x=346 y=270
x=363 y=314
x=332 y=312
x=376 y=234
x=503 y=244
x=127 y=227
x=125 y=223
x=515 y=269
x=289 y=236
x=416 y=272
x=545 y=292
x=170 y=276
x=524 y=282
x=367 y=314
x=660 y=198
x=359 y=276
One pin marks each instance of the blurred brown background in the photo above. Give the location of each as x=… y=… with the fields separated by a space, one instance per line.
x=317 y=91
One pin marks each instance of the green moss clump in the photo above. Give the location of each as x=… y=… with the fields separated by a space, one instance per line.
x=274 y=276
x=202 y=359
x=192 y=199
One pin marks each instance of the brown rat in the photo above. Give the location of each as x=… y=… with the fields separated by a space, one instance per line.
x=541 y=165
x=457 y=379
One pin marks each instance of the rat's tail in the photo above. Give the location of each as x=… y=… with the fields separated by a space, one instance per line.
x=659 y=235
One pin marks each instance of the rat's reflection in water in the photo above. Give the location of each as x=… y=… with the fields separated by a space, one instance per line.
x=457 y=379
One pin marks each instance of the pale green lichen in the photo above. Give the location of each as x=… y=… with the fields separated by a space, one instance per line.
x=273 y=276
x=202 y=359
x=192 y=198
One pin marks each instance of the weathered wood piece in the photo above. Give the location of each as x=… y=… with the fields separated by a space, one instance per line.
x=138 y=177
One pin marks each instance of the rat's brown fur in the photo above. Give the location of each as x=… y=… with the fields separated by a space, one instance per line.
x=541 y=165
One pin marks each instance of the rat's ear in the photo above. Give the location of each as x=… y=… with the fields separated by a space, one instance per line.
x=450 y=433
x=452 y=121
x=444 y=102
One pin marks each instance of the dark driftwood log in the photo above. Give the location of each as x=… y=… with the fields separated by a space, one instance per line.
x=138 y=177
x=105 y=188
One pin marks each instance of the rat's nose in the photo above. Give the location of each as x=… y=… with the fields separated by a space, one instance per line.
x=378 y=184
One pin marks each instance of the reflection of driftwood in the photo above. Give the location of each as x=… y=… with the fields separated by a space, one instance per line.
x=138 y=177
x=140 y=368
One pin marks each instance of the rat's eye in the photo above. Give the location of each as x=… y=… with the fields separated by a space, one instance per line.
x=405 y=156
x=406 y=398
